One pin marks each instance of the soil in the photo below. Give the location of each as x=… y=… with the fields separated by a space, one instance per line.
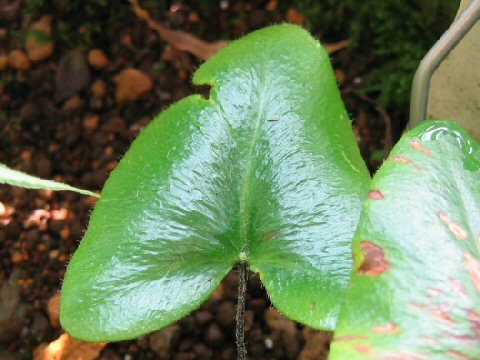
x=70 y=126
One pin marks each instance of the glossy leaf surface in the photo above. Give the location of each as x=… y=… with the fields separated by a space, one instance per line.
x=265 y=171
x=17 y=178
x=415 y=290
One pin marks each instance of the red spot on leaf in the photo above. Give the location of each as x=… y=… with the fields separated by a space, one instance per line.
x=440 y=311
x=412 y=356
x=404 y=160
x=434 y=292
x=375 y=195
x=442 y=316
x=465 y=340
x=364 y=349
x=389 y=328
x=458 y=355
x=458 y=288
x=474 y=318
x=419 y=306
x=351 y=338
x=473 y=267
x=429 y=340
x=454 y=227
x=374 y=262
x=414 y=144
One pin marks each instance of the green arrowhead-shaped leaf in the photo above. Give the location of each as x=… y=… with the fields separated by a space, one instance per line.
x=415 y=289
x=17 y=178
x=266 y=171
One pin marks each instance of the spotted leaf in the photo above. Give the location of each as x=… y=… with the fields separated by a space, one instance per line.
x=415 y=290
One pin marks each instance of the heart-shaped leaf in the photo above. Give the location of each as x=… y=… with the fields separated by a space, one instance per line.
x=18 y=178
x=415 y=290
x=266 y=171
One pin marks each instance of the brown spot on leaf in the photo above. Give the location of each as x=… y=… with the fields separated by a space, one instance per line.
x=414 y=144
x=465 y=340
x=474 y=318
x=375 y=195
x=374 y=262
x=473 y=266
x=442 y=316
x=419 y=306
x=351 y=338
x=457 y=287
x=434 y=292
x=364 y=349
x=389 y=328
x=440 y=311
x=404 y=160
x=313 y=305
x=411 y=356
x=453 y=226
x=459 y=355
x=269 y=235
x=429 y=340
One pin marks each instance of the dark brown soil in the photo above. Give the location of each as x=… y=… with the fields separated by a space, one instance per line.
x=47 y=134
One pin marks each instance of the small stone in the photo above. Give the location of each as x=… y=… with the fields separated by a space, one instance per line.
x=214 y=335
x=39 y=44
x=143 y=342
x=97 y=59
x=44 y=167
x=3 y=62
x=10 y=325
x=161 y=342
x=99 y=88
x=91 y=122
x=73 y=103
x=32 y=236
x=3 y=210
x=316 y=344
x=294 y=17
x=54 y=254
x=226 y=314
x=126 y=40
x=98 y=178
x=65 y=347
x=30 y=111
x=39 y=327
x=10 y=329
x=202 y=352
x=54 y=310
x=72 y=75
x=132 y=84
x=340 y=76
x=9 y=10
x=56 y=226
x=203 y=317
x=249 y=318
x=219 y=292
x=109 y=354
x=278 y=322
x=18 y=60
x=17 y=257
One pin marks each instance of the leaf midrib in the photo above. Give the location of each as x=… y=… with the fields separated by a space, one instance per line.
x=244 y=212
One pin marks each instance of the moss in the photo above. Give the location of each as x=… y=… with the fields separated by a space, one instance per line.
x=398 y=33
